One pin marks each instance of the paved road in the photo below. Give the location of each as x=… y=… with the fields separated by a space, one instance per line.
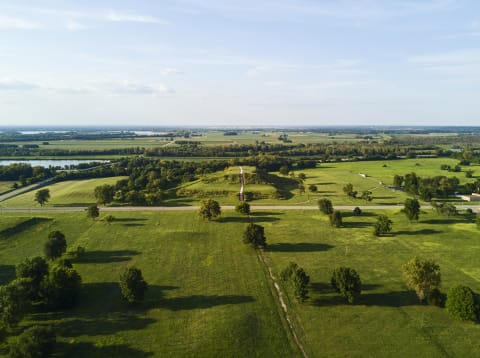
x=24 y=189
x=67 y=209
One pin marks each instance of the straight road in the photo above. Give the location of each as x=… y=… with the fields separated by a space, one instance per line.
x=19 y=191
x=68 y=209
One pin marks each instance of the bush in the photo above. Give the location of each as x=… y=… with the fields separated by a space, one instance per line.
x=61 y=287
x=254 y=235
x=357 y=211
x=243 y=208
x=35 y=342
x=346 y=281
x=382 y=226
x=336 y=219
x=109 y=218
x=209 y=209
x=325 y=206
x=423 y=276
x=55 y=246
x=298 y=278
x=462 y=303
x=132 y=285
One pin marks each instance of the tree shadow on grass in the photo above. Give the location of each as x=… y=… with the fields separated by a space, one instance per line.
x=265 y=213
x=105 y=257
x=389 y=299
x=418 y=232
x=356 y=224
x=22 y=226
x=202 y=301
x=324 y=287
x=366 y=214
x=300 y=247
x=87 y=349
x=246 y=219
x=7 y=274
x=440 y=221
x=129 y=220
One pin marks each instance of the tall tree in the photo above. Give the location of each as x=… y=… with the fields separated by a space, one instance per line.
x=209 y=209
x=42 y=196
x=34 y=342
x=55 y=246
x=423 y=276
x=346 y=281
x=132 y=285
x=325 y=206
x=14 y=302
x=61 y=287
x=104 y=193
x=412 y=209
x=93 y=211
x=35 y=270
x=254 y=234
x=336 y=218
x=382 y=226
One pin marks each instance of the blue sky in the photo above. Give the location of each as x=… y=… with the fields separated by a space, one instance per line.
x=222 y=62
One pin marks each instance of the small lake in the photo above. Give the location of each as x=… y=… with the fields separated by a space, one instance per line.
x=52 y=163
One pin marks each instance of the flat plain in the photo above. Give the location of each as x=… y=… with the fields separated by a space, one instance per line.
x=209 y=294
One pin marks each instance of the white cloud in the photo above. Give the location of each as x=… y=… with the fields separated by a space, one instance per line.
x=128 y=87
x=74 y=26
x=125 y=17
x=10 y=84
x=170 y=71
x=10 y=22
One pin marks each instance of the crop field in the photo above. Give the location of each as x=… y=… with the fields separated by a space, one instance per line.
x=67 y=193
x=209 y=294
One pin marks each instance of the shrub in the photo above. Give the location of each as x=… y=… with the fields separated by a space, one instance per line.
x=346 y=281
x=254 y=235
x=336 y=219
x=325 y=206
x=243 y=208
x=35 y=342
x=423 y=276
x=357 y=211
x=462 y=303
x=132 y=285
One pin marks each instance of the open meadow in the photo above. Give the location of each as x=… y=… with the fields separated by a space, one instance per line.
x=210 y=295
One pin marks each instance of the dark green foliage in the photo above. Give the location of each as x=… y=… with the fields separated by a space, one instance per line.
x=35 y=342
x=301 y=188
x=357 y=211
x=336 y=219
x=132 y=285
x=313 y=188
x=348 y=189
x=104 y=193
x=302 y=176
x=382 y=226
x=35 y=270
x=209 y=209
x=397 y=181
x=61 y=287
x=445 y=208
x=346 y=281
x=243 y=208
x=412 y=209
x=366 y=195
x=436 y=298
x=42 y=196
x=284 y=170
x=254 y=235
x=93 y=211
x=298 y=278
x=109 y=218
x=325 y=206
x=55 y=246
x=423 y=276
x=463 y=303
x=14 y=302
x=478 y=222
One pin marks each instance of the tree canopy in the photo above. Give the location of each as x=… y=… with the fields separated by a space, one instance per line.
x=412 y=209
x=325 y=206
x=132 y=285
x=346 y=281
x=254 y=235
x=55 y=246
x=423 y=276
x=463 y=303
x=209 y=209
x=104 y=193
x=42 y=196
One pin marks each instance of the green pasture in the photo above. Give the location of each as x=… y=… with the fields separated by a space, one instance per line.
x=388 y=320
x=66 y=193
x=5 y=186
x=208 y=294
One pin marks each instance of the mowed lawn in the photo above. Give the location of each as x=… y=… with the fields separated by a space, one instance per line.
x=5 y=186
x=66 y=193
x=208 y=294
x=388 y=320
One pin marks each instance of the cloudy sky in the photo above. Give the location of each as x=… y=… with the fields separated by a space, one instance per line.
x=249 y=62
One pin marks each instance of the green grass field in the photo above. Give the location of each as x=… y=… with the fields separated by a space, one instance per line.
x=208 y=293
x=67 y=193
x=5 y=186
x=210 y=296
